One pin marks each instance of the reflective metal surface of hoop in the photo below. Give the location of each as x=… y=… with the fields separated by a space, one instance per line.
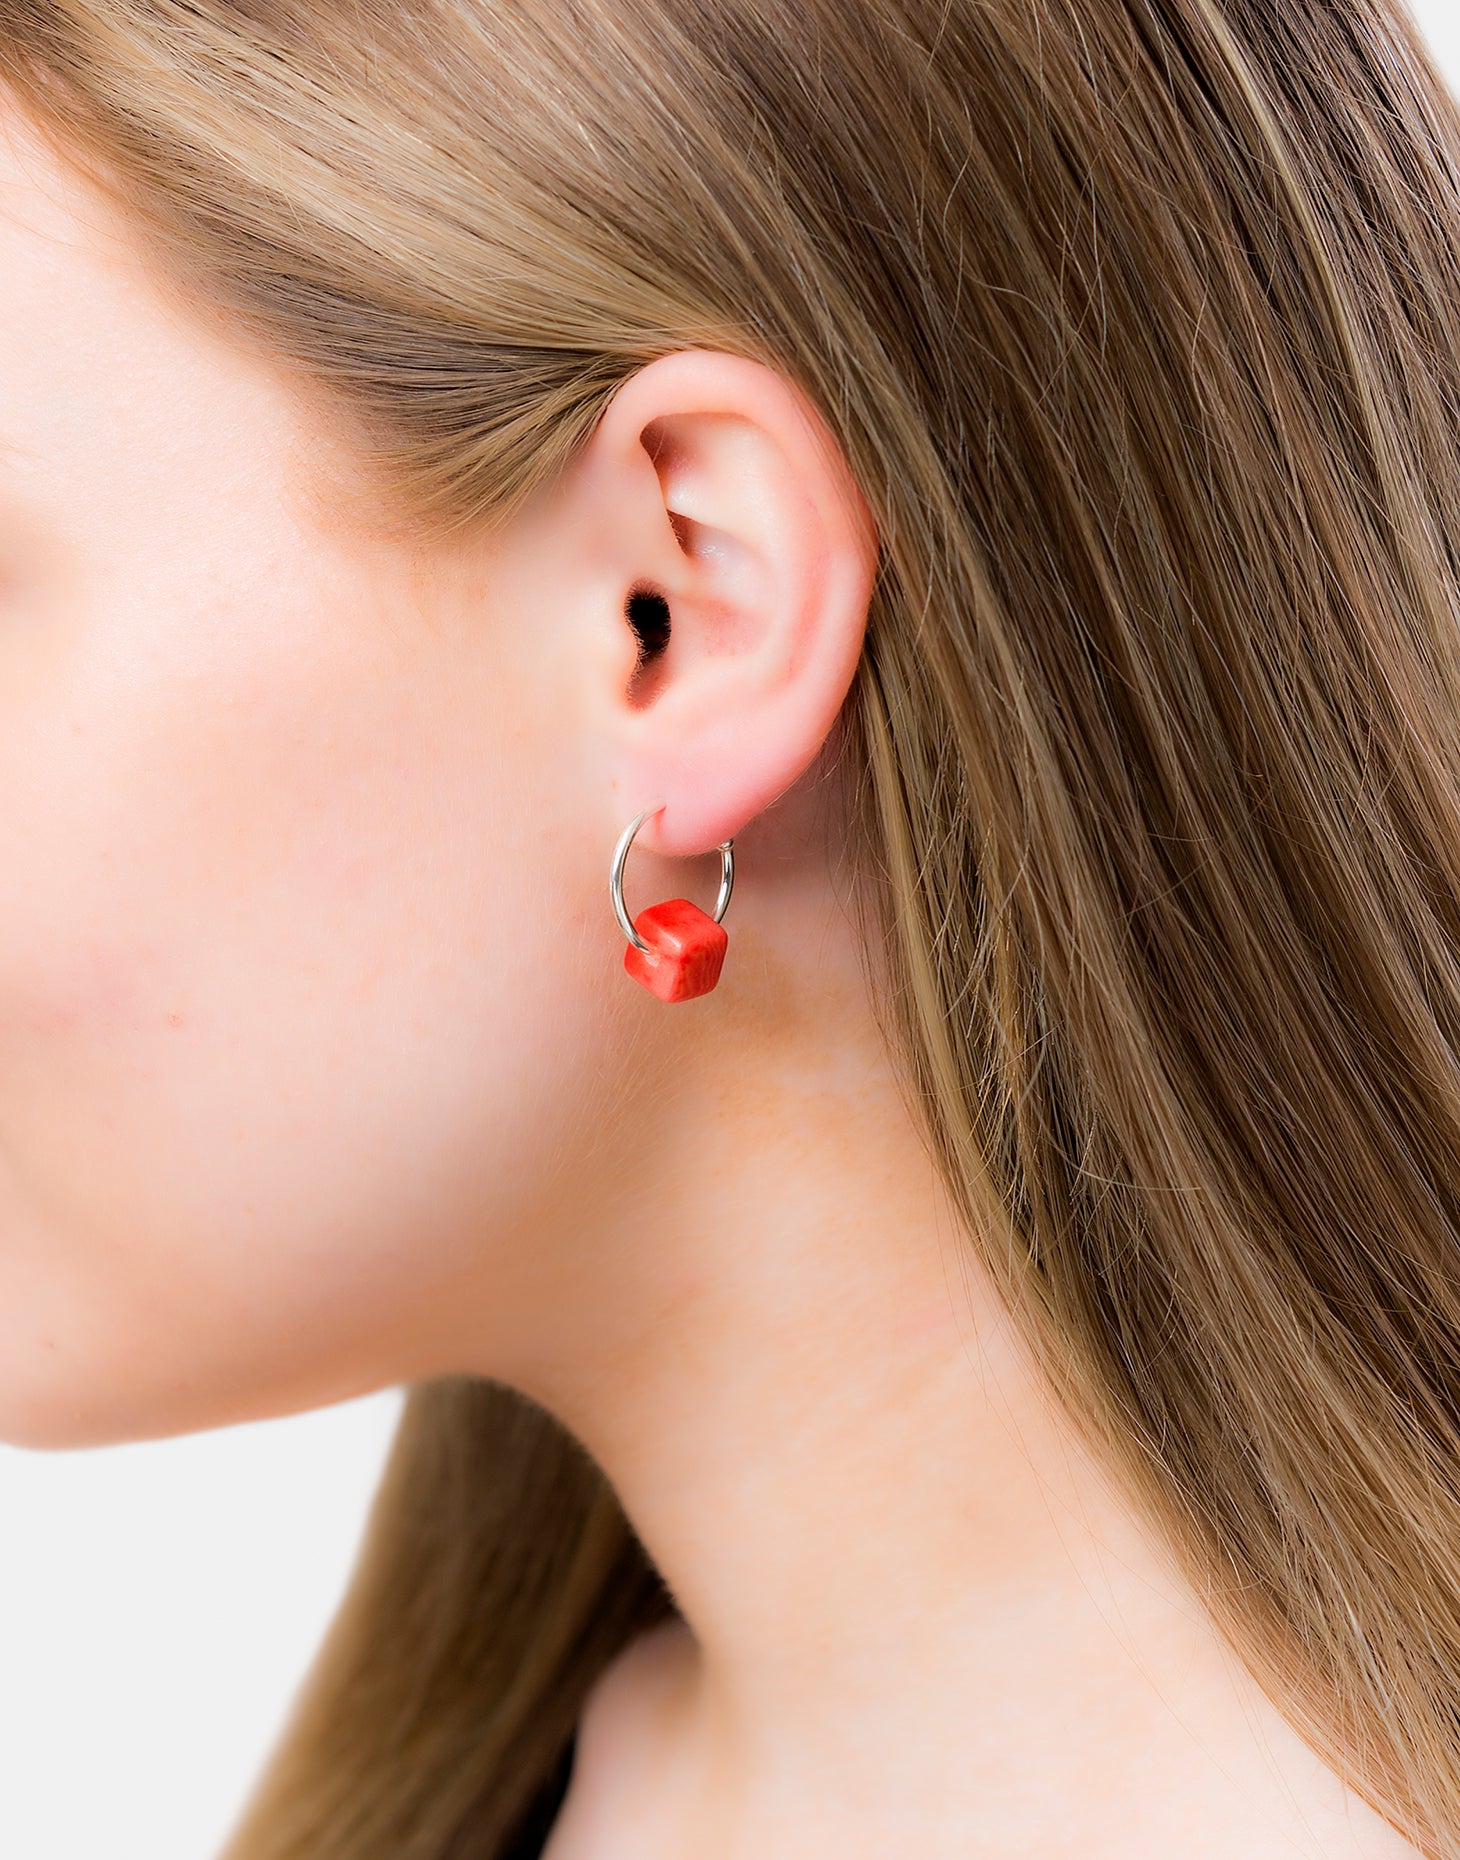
x=616 y=878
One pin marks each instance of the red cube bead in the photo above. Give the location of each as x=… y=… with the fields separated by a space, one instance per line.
x=686 y=950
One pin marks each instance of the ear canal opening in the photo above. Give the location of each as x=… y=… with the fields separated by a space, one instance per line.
x=647 y=612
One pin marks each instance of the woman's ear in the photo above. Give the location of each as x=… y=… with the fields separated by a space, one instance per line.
x=722 y=506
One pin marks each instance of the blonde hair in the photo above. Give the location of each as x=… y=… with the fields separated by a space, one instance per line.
x=1139 y=322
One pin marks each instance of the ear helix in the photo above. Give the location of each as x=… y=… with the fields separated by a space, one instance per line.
x=675 y=949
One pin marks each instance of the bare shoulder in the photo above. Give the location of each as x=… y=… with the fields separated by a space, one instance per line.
x=618 y=1785
x=635 y=1691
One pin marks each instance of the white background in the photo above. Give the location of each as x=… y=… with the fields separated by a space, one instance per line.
x=1441 y=20
x=160 y=1601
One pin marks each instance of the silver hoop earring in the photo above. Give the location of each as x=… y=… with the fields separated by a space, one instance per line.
x=675 y=949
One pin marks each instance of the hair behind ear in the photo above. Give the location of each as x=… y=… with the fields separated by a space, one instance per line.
x=498 y=1578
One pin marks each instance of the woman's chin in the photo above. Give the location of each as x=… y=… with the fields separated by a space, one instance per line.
x=56 y=1398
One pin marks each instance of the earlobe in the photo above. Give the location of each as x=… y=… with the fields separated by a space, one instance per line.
x=747 y=561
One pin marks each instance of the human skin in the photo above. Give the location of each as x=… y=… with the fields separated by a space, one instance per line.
x=319 y=1072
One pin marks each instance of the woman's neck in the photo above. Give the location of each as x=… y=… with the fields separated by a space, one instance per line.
x=918 y=1617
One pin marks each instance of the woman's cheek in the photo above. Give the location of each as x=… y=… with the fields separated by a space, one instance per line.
x=177 y=1013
